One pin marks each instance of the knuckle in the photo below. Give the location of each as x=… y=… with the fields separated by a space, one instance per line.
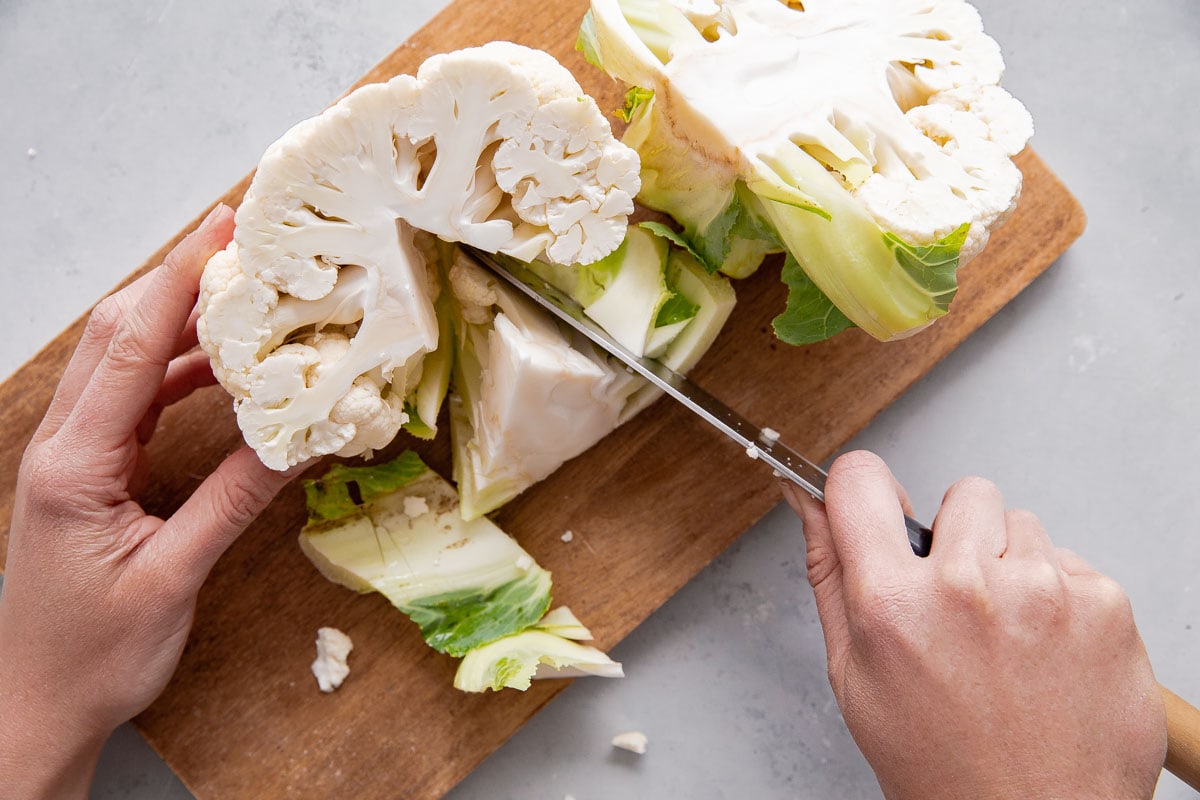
x=1041 y=593
x=854 y=470
x=963 y=586
x=176 y=261
x=820 y=563
x=240 y=502
x=1043 y=579
x=856 y=463
x=877 y=611
x=973 y=486
x=1112 y=599
x=105 y=319
x=34 y=470
x=41 y=476
x=128 y=346
x=1022 y=518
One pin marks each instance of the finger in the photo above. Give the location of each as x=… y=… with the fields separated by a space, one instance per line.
x=905 y=502
x=188 y=338
x=866 y=518
x=101 y=324
x=970 y=523
x=1025 y=538
x=185 y=375
x=132 y=367
x=223 y=506
x=1072 y=564
x=824 y=569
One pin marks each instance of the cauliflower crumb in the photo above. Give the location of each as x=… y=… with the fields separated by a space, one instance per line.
x=752 y=451
x=567 y=536
x=777 y=473
x=415 y=507
x=330 y=668
x=769 y=436
x=31 y=152
x=524 y=562
x=633 y=741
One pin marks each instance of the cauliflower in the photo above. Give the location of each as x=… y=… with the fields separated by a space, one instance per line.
x=530 y=394
x=524 y=400
x=468 y=585
x=330 y=667
x=867 y=139
x=319 y=316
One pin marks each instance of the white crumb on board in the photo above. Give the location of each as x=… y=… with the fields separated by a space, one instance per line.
x=633 y=741
x=769 y=436
x=752 y=451
x=415 y=507
x=330 y=668
x=567 y=536
x=524 y=562
x=31 y=152
x=777 y=473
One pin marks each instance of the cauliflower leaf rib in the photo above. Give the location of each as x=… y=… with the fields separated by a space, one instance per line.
x=853 y=135
x=320 y=316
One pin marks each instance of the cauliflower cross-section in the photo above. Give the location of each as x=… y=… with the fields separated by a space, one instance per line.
x=867 y=139
x=318 y=315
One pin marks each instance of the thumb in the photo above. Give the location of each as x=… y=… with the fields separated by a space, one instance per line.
x=215 y=515
x=824 y=570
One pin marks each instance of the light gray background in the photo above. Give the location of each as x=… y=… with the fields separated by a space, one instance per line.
x=123 y=120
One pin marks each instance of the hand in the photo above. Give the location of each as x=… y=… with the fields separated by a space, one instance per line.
x=98 y=597
x=998 y=667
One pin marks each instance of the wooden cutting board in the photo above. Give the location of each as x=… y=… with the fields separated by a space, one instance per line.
x=650 y=505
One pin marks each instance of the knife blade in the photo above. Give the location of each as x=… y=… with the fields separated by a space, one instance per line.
x=762 y=444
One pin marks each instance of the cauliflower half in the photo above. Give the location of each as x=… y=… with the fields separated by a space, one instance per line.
x=319 y=315
x=868 y=139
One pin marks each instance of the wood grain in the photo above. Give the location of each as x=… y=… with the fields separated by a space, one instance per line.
x=650 y=505
x=1183 y=738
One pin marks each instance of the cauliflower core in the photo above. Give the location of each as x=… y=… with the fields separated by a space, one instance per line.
x=514 y=358
x=318 y=315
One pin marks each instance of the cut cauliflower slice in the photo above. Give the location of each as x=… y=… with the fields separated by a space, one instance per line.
x=867 y=139
x=318 y=316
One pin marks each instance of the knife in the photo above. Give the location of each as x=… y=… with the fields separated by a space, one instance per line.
x=1183 y=719
x=761 y=444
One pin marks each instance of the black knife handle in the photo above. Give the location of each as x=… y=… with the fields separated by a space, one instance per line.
x=919 y=537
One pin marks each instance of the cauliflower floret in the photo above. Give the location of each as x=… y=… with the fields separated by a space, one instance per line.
x=331 y=667
x=318 y=316
x=561 y=178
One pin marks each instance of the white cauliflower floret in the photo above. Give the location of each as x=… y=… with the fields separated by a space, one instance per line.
x=560 y=177
x=318 y=316
x=333 y=651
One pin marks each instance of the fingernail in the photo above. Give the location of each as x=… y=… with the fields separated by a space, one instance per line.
x=788 y=490
x=212 y=215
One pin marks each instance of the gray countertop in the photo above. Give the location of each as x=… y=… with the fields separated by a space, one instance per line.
x=1081 y=398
